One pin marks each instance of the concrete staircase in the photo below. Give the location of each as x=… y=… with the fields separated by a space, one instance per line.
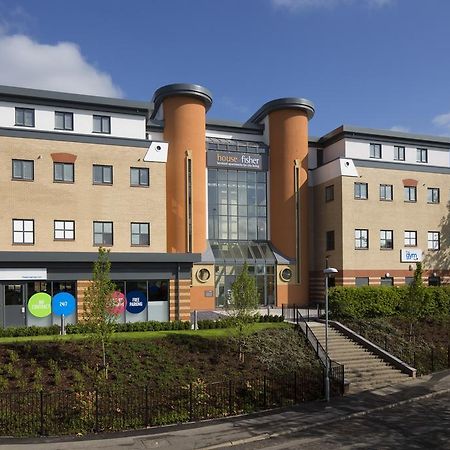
x=363 y=369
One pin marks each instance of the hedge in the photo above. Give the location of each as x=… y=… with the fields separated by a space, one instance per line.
x=381 y=301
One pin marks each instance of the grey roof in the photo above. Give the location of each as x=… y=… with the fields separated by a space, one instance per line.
x=283 y=103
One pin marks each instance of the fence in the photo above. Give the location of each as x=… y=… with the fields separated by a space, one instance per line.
x=67 y=412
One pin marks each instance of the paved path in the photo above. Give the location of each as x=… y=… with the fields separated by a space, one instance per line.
x=286 y=428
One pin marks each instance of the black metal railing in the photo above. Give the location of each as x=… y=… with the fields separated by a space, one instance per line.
x=292 y=314
x=70 y=412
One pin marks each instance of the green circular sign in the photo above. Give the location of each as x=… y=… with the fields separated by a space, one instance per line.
x=40 y=304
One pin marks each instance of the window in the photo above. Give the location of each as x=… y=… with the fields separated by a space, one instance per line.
x=410 y=238
x=434 y=240
x=102 y=174
x=422 y=155
x=140 y=234
x=63 y=172
x=375 y=151
x=103 y=233
x=102 y=124
x=386 y=240
x=330 y=240
x=63 y=120
x=22 y=169
x=361 y=191
x=64 y=230
x=362 y=281
x=410 y=193
x=361 y=239
x=434 y=280
x=139 y=176
x=433 y=195
x=25 y=117
x=386 y=192
x=319 y=157
x=23 y=231
x=329 y=193
x=387 y=281
x=399 y=153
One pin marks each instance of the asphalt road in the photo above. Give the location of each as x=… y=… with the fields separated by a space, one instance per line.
x=424 y=424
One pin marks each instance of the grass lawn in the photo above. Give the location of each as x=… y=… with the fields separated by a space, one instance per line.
x=208 y=334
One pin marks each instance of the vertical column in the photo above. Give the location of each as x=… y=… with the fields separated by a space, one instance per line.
x=184 y=111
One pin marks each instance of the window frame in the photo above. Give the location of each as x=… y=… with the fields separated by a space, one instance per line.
x=64 y=230
x=103 y=233
x=384 y=197
x=408 y=190
x=139 y=169
x=361 y=239
x=102 y=167
x=98 y=118
x=433 y=240
x=386 y=240
x=399 y=153
x=22 y=178
x=410 y=238
x=422 y=155
x=359 y=195
x=63 y=164
x=140 y=234
x=329 y=193
x=23 y=231
x=64 y=114
x=433 y=191
x=22 y=111
x=375 y=151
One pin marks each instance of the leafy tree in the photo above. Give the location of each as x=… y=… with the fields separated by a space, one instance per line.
x=242 y=308
x=414 y=300
x=99 y=312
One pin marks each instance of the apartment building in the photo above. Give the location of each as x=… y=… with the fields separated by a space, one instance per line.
x=182 y=201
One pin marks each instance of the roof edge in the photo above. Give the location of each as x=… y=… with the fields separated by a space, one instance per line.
x=283 y=103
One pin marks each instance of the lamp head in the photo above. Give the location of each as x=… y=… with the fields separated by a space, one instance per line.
x=330 y=270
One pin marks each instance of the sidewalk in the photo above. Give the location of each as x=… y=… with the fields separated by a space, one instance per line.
x=226 y=433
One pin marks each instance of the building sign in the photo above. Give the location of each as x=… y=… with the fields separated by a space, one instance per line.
x=236 y=160
x=119 y=303
x=136 y=301
x=23 y=274
x=40 y=304
x=63 y=304
x=408 y=255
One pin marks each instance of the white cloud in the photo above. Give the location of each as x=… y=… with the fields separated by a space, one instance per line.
x=58 y=67
x=294 y=5
x=442 y=120
x=400 y=128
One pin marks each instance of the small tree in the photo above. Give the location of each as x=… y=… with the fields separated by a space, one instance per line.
x=414 y=299
x=99 y=313
x=242 y=308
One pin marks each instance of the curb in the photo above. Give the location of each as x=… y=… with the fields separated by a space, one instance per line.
x=265 y=436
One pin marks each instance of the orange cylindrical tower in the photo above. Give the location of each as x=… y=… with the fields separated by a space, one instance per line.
x=184 y=109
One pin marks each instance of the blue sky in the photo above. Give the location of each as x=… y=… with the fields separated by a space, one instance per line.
x=372 y=63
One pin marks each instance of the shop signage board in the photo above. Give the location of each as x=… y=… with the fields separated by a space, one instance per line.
x=23 y=274
x=119 y=302
x=40 y=304
x=136 y=301
x=236 y=160
x=410 y=255
x=63 y=304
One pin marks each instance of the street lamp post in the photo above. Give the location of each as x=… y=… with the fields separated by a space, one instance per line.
x=328 y=271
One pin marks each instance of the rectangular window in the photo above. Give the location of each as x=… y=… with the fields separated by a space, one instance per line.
x=25 y=117
x=330 y=240
x=102 y=124
x=139 y=176
x=410 y=238
x=64 y=230
x=140 y=233
x=422 y=155
x=386 y=191
x=386 y=240
x=23 y=231
x=434 y=240
x=22 y=169
x=329 y=193
x=362 y=281
x=103 y=233
x=63 y=172
x=399 y=153
x=375 y=151
x=361 y=239
x=361 y=191
x=63 y=120
x=433 y=195
x=410 y=193
x=102 y=174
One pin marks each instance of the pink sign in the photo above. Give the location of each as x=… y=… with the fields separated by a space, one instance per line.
x=119 y=303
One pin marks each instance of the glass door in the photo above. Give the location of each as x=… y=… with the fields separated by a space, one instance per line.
x=14 y=301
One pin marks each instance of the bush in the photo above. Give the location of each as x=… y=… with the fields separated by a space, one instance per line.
x=29 y=331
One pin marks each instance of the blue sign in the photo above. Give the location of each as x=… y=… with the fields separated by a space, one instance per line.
x=63 y=303
x=136 y=301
